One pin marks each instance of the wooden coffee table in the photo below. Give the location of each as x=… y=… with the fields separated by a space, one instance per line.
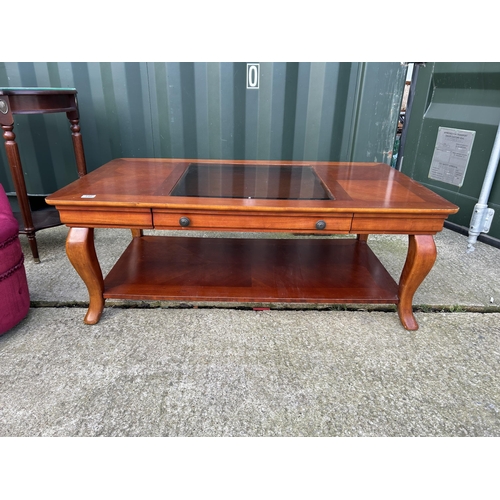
x=309 y=198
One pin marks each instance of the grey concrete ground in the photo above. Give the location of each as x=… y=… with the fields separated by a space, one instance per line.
x=167 y=370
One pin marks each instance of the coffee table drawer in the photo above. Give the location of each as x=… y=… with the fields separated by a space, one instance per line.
x=252 y=222
x=106 y=217
x=400 y=224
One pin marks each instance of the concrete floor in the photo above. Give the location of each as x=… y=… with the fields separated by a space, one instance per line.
x=161 y=369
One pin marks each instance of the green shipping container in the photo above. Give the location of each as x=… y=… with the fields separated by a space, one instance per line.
x=301 y=111
x=451 y=130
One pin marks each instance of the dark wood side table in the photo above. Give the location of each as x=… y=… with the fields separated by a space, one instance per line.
x=28 y=101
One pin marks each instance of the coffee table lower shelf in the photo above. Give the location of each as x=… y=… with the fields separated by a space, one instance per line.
x=182 y=268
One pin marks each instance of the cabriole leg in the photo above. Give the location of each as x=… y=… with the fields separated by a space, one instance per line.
x=419 y=261
x=81 y=253
x=137 y=233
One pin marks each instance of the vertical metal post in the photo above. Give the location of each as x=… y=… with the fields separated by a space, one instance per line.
x=482 y=215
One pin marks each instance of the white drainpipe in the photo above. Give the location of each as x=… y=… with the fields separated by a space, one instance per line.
x=482 y=215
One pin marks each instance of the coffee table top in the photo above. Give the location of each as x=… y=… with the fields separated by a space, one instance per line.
x=251 y=186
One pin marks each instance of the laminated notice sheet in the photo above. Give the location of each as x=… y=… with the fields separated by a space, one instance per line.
x=451 y=155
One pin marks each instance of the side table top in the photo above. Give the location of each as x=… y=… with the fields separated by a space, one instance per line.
x=36 y=90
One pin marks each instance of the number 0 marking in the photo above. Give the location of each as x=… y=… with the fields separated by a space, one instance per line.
x=253 y=75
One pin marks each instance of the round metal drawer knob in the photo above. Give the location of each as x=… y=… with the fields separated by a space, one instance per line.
x=321 y=224
x=4 y=107
x=184 y=221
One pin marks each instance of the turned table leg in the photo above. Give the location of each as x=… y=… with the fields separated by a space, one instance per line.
x=419 y=261
x=76 y=136
x=19 y=183
x=81 y=253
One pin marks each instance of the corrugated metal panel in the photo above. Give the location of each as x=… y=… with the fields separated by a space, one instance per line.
x=310 y=111
x=376 y=113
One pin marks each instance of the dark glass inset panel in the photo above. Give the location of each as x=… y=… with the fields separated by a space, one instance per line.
x=251 y=181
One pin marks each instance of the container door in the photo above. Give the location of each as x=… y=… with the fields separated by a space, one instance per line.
x=450 y=133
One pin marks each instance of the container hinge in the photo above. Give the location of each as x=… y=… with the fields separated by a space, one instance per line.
x=481 y=219
x=487 y=221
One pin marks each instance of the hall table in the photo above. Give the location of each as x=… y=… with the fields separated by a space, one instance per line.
x=34 y=101
x=309 y=198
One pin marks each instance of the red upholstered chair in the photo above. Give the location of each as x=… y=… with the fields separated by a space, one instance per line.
x=14 y=293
